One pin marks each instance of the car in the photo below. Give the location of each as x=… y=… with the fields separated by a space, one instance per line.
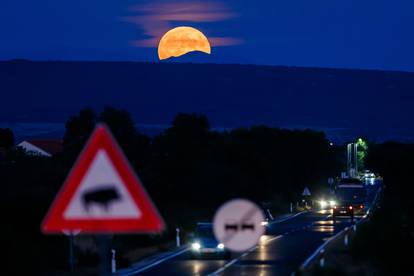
x=343 y=209
x=348 y=209
x=268 y=218
x=204 y=243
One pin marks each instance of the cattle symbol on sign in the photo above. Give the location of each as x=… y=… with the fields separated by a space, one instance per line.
x=238 y=224
x=101 y=196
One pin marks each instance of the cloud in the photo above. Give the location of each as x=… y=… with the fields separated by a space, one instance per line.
x=225 y=41
x=155 y=19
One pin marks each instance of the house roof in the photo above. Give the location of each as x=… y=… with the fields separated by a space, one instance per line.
x=48 y=145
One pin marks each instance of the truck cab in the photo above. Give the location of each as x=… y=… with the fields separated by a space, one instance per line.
x=350 y=198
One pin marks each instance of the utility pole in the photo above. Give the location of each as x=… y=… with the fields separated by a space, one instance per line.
x=349 y=158
x=355 y=159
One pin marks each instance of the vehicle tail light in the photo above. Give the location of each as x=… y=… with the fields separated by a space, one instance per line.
x=361 y=206
x=350 y=207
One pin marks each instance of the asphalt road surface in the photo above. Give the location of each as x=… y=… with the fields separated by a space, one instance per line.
x=285 y=247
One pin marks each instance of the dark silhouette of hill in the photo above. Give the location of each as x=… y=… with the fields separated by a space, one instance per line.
x=373 y=103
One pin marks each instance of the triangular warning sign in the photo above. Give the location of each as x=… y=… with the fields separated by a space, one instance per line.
x=306 y=192
x=102 y=194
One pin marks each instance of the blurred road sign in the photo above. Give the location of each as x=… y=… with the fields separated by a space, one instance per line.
x=102 y=194
x=306 y=192
x=238 y=224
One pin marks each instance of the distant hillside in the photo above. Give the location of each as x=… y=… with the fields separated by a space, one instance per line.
x=346 y=102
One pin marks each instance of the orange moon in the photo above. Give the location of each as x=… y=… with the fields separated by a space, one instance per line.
x=182 y=40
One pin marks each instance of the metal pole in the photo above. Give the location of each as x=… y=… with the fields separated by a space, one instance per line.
x=177 y=237
x=113 y=261
x=71 y=255
x=348 y=159
x=322 y=260
x=103 y=243
x=356 y=158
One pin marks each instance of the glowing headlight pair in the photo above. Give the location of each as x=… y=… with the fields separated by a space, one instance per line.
x=196 y=246
x=325 y=203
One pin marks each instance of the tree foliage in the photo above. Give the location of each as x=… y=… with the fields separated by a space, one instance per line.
x=6 y=138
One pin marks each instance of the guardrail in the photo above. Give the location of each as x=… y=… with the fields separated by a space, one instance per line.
x=320 y=252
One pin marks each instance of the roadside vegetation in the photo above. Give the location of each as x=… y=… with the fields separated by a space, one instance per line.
x=387 y=240
x=188 y=170
x=382 y=245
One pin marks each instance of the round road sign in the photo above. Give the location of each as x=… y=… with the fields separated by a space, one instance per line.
x=238 y=224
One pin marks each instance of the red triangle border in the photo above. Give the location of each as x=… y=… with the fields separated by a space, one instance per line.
x=150 y=220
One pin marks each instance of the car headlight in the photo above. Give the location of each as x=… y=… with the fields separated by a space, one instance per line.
x=220 y=246
x=323 y=203
x=196 y=246
x=332 y=203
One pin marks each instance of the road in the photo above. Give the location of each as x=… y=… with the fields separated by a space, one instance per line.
x=281 y=251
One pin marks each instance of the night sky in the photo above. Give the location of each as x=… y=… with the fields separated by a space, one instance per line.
x=364 y=34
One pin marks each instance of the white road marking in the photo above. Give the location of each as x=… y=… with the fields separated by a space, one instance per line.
x=224 y=267
x=311 y=257
x=232 y=262
x=288 y=218
x=254 y=248
x=308 y=260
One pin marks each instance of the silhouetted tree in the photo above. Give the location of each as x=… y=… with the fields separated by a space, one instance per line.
x=135 y=145
x=78 y=130
x=193 y=122
x=6 y=138
x=121 y=125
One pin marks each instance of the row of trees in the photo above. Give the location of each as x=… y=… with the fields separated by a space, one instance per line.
x=190 y=166
x=188 y=170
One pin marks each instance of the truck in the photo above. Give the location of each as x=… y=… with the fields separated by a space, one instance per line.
x=350 y=198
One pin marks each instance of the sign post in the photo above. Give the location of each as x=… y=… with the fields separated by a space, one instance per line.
x=71 y=255
x=71 y=236
x=113 y=261
x=102 y=195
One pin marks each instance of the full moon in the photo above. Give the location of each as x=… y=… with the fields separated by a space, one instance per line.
x=182 y=40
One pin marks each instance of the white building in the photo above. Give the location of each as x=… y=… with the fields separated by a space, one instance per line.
x=46 y=148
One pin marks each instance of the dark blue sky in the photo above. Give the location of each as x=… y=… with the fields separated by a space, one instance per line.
x=336 y=33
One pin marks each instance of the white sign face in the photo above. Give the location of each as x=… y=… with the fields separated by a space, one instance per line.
x=102 y=193
x=238 y=224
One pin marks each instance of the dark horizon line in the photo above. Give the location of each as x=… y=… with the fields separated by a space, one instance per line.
x=169 y=61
